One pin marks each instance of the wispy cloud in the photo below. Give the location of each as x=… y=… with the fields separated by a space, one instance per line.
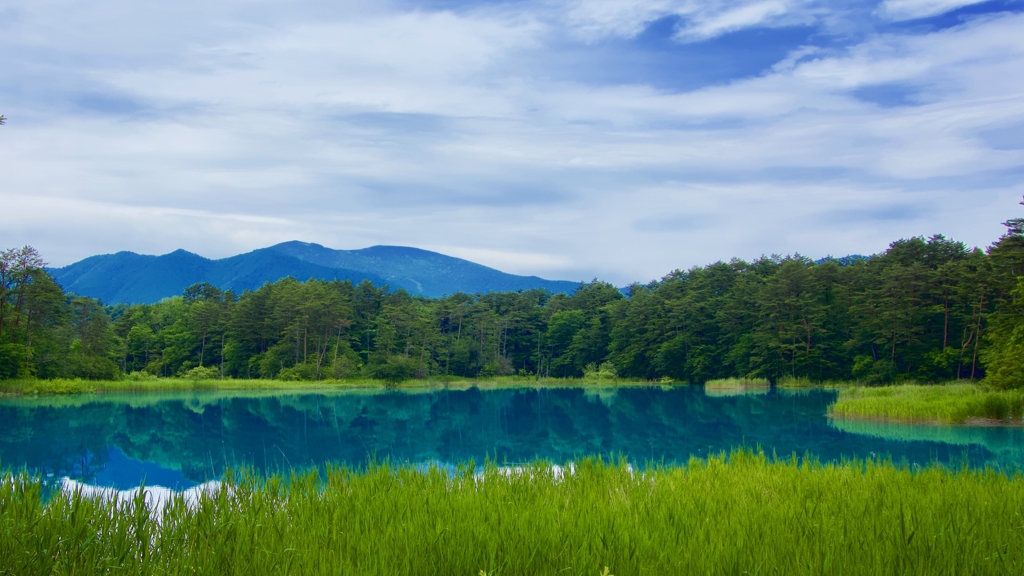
x=911 y=9
x=596 y=19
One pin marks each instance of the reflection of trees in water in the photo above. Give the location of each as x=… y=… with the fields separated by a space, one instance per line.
x=1007 y=442
x=55 y=441
x=202 y=437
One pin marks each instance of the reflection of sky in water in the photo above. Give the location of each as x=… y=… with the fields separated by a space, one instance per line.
x=180 y=440
x=122 y=472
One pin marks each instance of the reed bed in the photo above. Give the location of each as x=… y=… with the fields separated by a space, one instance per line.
x=745 y=514
x=944 y=404
x=802 y=382
x=736 y=386
x=726 y=383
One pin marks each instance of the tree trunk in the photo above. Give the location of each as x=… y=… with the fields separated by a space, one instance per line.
x=85 y=320
x=945 y=326
x=202 y=349
x=21 y=299
x=28 y=332
x=977 y=339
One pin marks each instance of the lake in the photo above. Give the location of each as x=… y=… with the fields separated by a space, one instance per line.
x=179 y=440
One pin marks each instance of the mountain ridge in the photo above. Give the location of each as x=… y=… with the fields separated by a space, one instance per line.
x=420 y=271
x=131 y=278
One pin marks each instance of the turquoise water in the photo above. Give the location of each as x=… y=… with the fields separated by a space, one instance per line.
x=181 y=439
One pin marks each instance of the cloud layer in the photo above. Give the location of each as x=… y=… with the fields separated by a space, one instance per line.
x=587 y=138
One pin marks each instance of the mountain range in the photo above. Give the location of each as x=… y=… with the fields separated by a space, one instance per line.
x=127 y=277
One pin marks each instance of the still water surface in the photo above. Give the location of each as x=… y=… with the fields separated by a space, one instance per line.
x=179 y=440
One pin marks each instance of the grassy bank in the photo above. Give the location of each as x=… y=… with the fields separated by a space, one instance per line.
x=944 y=404
x=77 y=386
x=794 y=383
x=736 y=386
x=746 y=515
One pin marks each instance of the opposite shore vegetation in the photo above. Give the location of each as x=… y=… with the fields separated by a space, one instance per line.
x=925 y=310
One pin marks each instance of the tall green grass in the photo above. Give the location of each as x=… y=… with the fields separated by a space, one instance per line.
x=736 y=386
x=728 y=383
x=802 y=382
x=951 y=403
x=741 y=515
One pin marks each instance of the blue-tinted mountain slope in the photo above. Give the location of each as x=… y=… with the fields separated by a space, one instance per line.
x=421 y=271
x=134 y=278
x=137 y=279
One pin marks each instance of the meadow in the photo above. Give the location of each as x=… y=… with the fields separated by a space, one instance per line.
x=741 y=514
x=940 y=404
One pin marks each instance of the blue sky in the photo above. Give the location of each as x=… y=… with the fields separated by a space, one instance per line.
x=567 y=139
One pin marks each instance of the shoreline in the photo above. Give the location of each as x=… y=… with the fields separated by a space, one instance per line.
x=28 y=388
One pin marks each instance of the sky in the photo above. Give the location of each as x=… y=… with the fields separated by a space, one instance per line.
x=569 y=139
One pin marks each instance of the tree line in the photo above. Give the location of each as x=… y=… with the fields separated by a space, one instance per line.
x=925 y=309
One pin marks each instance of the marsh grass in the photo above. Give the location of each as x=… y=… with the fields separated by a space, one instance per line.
x=732 y=386
x=77 y=386
x=948 y=404
x=744 y=514
x=802 y=382
x=737 y=383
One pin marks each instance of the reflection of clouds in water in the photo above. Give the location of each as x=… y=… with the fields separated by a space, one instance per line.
x=156 y=497
x=557 y=472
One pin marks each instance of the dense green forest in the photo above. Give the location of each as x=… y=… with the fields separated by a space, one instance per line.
x=925 y=309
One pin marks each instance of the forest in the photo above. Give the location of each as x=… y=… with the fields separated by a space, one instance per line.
x=925 y=310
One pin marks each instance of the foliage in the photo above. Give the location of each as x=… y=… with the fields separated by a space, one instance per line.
x=954 y=403
x=741 y=514
x=1005 y=356
x=201 y=373
x=605 y=372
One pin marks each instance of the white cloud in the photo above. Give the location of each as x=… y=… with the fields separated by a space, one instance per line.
x=509 y=261
x=711 y=24
x=898 y=10
x=699 y=19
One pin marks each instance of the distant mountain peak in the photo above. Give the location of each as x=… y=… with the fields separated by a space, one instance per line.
x=294 y=244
